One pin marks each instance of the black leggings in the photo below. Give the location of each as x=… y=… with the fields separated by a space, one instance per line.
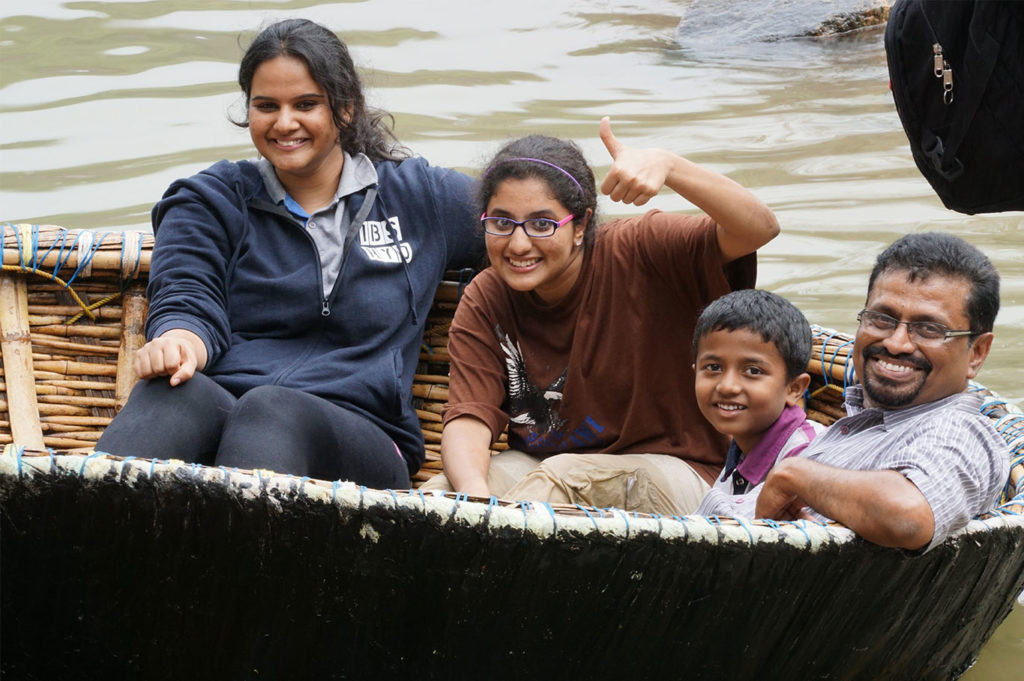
x=281 y=429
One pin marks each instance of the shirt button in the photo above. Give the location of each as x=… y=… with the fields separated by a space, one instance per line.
x=311 y=224
x=845 y=430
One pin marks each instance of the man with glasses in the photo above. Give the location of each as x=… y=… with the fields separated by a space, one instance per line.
x=914 y=459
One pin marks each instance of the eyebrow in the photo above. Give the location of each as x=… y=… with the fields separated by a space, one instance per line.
x=308 y=95
x=760 y=360
x=921 y=318
x=502 y=213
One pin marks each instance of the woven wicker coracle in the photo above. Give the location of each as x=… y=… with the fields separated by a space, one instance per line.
x=134 y=568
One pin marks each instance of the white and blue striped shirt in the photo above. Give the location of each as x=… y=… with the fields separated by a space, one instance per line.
x=947 y=448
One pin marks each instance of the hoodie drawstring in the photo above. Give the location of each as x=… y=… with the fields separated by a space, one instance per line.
x=405 y=268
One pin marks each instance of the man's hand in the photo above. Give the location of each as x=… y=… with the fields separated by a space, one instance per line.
x=881 y=506
x=775 y=503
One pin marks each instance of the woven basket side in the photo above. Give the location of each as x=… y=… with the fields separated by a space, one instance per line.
x=67 y=287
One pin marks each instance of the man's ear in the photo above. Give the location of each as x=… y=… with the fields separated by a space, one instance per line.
x=796 y=388
x=978 y=352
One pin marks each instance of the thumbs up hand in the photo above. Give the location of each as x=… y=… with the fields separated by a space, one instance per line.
x=636 y=174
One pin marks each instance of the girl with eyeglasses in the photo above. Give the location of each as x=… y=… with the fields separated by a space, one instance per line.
x=576 y=338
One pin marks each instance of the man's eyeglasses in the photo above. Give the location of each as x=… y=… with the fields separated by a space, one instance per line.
x=884 y=325
x=537 y=228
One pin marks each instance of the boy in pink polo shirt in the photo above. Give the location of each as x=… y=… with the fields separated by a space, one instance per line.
x=750 y=350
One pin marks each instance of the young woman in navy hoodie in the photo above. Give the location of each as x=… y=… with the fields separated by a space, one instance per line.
x=288 y=295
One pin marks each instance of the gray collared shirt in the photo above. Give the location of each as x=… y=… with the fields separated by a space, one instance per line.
x=947 y=448
x=326 y=224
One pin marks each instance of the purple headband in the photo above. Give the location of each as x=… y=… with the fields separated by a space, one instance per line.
x=537 y=160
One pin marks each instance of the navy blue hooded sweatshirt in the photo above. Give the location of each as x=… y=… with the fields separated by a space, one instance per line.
x=243 y=274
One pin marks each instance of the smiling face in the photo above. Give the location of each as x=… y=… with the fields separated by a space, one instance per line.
x=900 y=371
x=741 y=384
x=548 y=266
x=291 y=124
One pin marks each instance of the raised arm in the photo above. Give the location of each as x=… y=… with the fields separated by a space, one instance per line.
x=744 y=222
x=882 y=506
x=465 y=453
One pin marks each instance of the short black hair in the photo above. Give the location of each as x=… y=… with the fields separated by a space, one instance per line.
x=776 y=319
x=934 y=253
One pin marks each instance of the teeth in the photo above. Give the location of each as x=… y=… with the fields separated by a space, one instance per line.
x=522 y=263
x=898 y=368
x=730 y=407
x=289 y=143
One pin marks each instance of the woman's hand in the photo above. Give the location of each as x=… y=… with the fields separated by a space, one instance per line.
x=177 y=353
x=744 y=222
x=636 y=175
x=466 y=455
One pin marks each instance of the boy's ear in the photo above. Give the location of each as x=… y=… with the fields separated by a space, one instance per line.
x=796 y=388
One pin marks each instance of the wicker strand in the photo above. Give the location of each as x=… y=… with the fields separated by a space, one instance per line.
x=23 y=407
x=47 y=275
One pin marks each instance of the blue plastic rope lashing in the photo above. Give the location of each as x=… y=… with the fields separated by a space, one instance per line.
x=625 y=516
x=126 y=467
x=21 y=450
x=84 y=261
x=587 y=513
x=554 y=520
x=81 y=471
x=800 y=524
x=459 y=498
x=743 y=524
x=492 y=503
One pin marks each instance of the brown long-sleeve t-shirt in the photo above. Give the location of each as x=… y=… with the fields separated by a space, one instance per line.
x=607 y=369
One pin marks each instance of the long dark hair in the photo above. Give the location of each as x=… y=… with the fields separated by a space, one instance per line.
x=367 y=130
x=519 y=160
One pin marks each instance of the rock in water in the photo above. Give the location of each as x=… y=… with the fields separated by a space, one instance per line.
x=738 y=22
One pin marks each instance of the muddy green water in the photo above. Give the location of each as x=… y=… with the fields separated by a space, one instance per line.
x=103 y=104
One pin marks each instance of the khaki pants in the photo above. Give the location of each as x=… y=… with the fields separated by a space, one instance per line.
x=646 y=483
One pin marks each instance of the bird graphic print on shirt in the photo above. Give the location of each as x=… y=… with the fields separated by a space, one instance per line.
x=528 y=405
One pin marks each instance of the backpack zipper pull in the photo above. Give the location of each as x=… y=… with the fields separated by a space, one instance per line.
x=947 y=83
x=944 y=71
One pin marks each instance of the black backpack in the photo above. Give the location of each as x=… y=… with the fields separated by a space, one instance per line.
x=957 y=74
